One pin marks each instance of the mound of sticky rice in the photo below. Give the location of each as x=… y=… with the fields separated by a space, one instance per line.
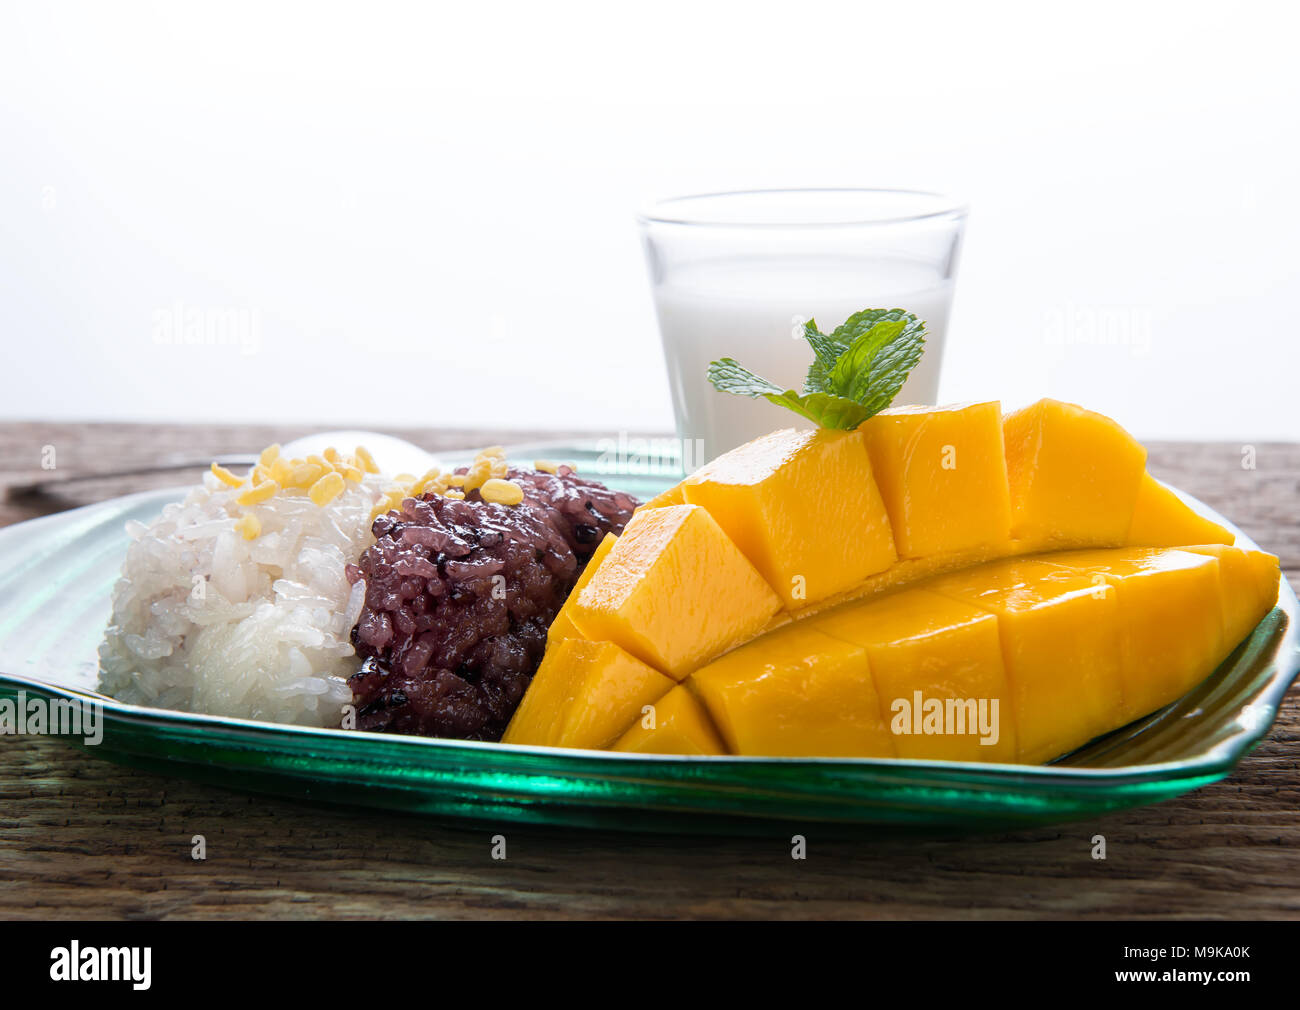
x=462 y=584
x=236 y=600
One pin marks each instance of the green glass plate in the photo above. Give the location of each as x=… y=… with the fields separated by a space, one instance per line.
x=55 y=578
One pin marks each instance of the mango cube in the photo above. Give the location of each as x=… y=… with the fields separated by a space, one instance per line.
x=563 y=626
x=1171 y=637
x=669 y=496
x=674 y=591
x=585 y=694
x=943 y=476
x=1161 y=519
x=1248 y=587
x=1074 y=476
x=803 y=507
x=678 y=724
x=795 y=692
x=1060 y=643
x=948 y=652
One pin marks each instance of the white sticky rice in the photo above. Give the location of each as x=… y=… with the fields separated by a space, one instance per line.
x=207 y=621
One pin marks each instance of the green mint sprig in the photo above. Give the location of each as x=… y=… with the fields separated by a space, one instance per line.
x=856 y=372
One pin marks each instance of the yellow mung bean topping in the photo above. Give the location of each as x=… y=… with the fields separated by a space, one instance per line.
x=225 y=476
x=501 y=492
x=326 y=489
x=366 y=460
x=259 y=492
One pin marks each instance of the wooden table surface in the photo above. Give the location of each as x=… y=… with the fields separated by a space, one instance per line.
x=82 y=837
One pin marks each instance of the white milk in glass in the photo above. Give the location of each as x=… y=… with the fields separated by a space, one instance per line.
x=750 y=310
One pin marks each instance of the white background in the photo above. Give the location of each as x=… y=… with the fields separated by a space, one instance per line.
x=428 y=211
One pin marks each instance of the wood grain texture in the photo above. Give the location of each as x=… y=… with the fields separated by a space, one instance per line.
x=82 y=837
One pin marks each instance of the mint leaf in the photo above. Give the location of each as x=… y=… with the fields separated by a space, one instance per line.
x=824 y=409
x=892 y=365
x=860 y=322
x=729 y=376
x=851 y=375
x=856 y=372
x=826 y=350
x=840 y=340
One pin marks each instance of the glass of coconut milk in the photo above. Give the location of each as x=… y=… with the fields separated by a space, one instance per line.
x=737 y=274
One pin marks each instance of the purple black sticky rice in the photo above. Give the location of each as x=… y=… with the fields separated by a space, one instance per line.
x=448 y=647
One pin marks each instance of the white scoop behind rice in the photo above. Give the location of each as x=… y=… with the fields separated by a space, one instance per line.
x=207 y=621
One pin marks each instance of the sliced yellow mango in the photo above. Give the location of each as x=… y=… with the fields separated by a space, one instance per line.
x=1074 y=476
x=585 y=694
x=1160 y=519
x=1070 y=645
x=670 y=496
x=803 y=507
x=1170 y=638
x=677 y=724
x=1248 y=587
x=563 y=626
x=795 y=692
x=933 y=656
x=674 y=591
x=943 y=476
x=914 y=535
x=1060 y=643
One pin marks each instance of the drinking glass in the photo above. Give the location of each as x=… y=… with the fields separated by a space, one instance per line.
x=737 y=274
